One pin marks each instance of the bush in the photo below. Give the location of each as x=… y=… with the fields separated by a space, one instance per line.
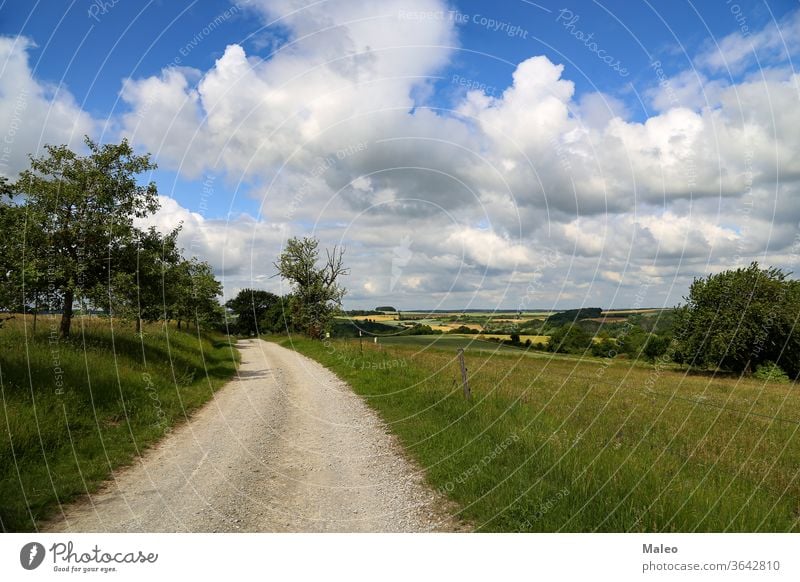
x=771 y=372
x=605 y=348
x=656 y=346
x=463 y=329
x=420 y=329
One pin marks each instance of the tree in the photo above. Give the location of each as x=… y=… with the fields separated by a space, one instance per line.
x=655 y=346
x=82 y=209
x=571 y=339
x=142 y=281
x=195 y=294
x=251 y=307
x=739 y=319
x=8 y=295
x=317 y=294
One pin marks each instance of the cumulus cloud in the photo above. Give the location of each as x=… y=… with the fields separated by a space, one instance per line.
x=33 y=113
x=457 y=205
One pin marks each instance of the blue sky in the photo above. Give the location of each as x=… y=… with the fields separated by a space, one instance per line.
x=85 y=51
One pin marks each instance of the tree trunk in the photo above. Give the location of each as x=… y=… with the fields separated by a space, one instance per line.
x=179 y=324
x=138 y=325
x=66 y=314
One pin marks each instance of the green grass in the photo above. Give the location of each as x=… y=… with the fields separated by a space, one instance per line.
x=446 y=342
x=556 y=444
x=62 y=433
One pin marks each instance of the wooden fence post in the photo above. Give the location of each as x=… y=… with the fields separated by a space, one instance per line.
x=464 y=379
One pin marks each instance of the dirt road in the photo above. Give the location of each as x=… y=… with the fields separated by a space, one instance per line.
x=285 y=447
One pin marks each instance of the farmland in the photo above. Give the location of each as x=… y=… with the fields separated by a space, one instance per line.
x=584 y=444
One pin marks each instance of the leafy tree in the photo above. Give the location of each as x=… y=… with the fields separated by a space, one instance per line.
x=632 y=341
x=8 y=296
x=655 y=346
x=80 y=210
x=571 y=339
x=142 y=283
x=515 y=338
x=421 y=329
x=277 y=318
x=605 y=348
x=195 y=294
x=317 y=294
x=739 y=319
x=252 y=308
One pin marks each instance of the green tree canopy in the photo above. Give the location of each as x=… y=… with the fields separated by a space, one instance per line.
x=571 y=339
x=251 y=307
x=738 y=319
x=78 y=212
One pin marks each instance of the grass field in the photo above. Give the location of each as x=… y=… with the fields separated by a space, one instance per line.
x=445 y=342
x=557 y=444
x=72 y=411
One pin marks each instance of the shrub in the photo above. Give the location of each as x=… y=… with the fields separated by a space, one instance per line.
x=771 y=372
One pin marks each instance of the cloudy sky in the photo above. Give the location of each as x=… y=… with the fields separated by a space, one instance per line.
x=468 y=154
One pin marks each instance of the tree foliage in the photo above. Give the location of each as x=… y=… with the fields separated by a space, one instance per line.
x=79 y=212
x=71 y=238
x=317 y=294
x=570 y=339
x=739 y=319
x=254 y=310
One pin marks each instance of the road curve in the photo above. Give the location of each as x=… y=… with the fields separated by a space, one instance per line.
x=286 y=447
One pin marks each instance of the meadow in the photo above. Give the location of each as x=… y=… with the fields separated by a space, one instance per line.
x=75 y=410
x=584 y=444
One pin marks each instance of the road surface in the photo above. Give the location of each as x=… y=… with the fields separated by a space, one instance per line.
x=286 y=447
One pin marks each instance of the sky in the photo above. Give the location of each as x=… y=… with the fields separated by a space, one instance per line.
x=466 y=154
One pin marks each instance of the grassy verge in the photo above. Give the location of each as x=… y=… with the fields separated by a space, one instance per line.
x=585 y=445
x=73 y=411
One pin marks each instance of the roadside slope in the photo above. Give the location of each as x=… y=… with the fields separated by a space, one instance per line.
x=286 y=446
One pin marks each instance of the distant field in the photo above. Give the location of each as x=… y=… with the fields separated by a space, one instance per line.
x=379 y=318
x=452 y=342
x=585 y=444
x=492 y=314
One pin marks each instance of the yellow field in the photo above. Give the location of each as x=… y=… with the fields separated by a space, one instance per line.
x=445 y=327
x=377 y=318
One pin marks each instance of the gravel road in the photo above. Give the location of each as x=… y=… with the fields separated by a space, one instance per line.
x=286 y=447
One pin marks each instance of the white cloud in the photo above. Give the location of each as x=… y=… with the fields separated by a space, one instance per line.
x=33 y=113
x=775 y=42
x=332 y=131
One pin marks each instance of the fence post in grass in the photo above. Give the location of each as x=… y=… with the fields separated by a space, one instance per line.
x=464 y=379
